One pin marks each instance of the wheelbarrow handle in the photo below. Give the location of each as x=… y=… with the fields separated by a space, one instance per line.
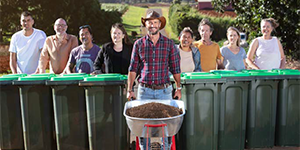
x=155 y=125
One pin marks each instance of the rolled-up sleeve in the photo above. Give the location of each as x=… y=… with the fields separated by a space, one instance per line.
x=135 y=59
x=174 y=60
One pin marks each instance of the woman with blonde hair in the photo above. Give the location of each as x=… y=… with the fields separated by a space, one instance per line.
x=267 y=49
x=233 y=54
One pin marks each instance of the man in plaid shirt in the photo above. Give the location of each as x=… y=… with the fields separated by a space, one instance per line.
x=153 y=57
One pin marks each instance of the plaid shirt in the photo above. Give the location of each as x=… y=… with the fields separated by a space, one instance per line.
x=154 y=62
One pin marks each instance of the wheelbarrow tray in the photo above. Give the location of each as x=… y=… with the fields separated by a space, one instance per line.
x=137 y=125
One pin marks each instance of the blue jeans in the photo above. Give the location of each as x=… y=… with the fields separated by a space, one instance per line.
x=145 y=93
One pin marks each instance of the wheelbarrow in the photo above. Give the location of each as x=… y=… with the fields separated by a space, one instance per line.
x=155 y=127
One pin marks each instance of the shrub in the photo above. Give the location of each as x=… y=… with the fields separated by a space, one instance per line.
x=186 y=16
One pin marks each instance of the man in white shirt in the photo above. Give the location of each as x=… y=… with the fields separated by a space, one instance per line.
x=25 y=46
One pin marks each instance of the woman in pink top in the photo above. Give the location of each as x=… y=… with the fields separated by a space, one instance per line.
x=267 y=49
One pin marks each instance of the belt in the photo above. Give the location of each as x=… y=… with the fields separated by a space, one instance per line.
x=154 y=86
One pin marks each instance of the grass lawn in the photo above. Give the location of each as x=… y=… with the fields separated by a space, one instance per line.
x=132 y=19
x=174 y=37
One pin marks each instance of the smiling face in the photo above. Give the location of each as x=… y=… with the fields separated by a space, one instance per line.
x=232 y=37
x=186 y=39
x=60 y=26
x=153 y=26
x=116 y=35
x=26 y=22
x=205 y=32
x=266 y=28
x=85 y=36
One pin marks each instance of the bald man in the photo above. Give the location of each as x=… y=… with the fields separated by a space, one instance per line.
x=57 y=49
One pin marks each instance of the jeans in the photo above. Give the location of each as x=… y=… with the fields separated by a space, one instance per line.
x=145 y=93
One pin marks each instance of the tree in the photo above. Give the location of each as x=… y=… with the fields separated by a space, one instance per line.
x=250 y=13
x=176 y=1
x=76 y=13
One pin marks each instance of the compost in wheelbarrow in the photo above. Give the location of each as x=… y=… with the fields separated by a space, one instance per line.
x=153 y=110
x=138 y=125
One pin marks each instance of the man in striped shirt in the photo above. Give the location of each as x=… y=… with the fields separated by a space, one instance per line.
x=153 y=57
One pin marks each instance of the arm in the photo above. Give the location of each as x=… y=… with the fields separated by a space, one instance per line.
x=282 y=62
x=197 y=61
x=70 y=65
x=177 y=82
x=130 y=93
x=133 y=67
x=174 y=66
x=251 y=52
x=68 y=68
x=220 y=63
x=44 y=59
x=99 y=61
x=219 y=59
x=13 y=62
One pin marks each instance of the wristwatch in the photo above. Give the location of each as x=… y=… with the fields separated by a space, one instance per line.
x=178 y=88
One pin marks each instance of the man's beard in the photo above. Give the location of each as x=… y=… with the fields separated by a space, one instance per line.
x=153 y=33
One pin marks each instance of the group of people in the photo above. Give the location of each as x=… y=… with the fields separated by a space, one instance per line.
x=31 y=51
x=151 y=59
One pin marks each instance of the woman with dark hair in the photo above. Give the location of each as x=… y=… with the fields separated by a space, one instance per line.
x=115 y=55
x=267 y=49
x=189 y=55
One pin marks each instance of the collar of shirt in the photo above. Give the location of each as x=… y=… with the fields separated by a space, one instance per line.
x=159 y=39
x=66 y=38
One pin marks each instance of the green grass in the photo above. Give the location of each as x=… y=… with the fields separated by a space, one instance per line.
x=132 y=19
x=174 y=37
x=114 y=7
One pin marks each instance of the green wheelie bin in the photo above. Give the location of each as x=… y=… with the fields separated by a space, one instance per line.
x=69 y=112
x=288 y=110
x=261 y=112
x=11 y=134
x=37 y=113
x=233 y=110
x=105 y=100
x=201 y=95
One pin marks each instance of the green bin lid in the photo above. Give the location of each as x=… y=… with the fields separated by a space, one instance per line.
x=264 y=73
x=125 y=77
x=204 y=76
x=15 y=75
x=77 y=74
x=253 y=70
x=108 y=74
x=237 y=74
x=290 y=73
x=104 y=78
x=195 y=73
x=223 y=71
x=9 y=78
x=43 y=74
x=34 y=78
x=67 y=78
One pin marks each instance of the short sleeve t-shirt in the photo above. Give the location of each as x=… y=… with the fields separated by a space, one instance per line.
x=209 y=55
x=27 y=49
x=84 y=59
x=233 y=61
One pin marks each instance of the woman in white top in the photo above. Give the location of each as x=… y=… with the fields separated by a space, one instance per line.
x=233 y=55
x=267 y=49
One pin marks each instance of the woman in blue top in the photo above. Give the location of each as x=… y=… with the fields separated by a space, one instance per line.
x=189 y=55
x=233 y=55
